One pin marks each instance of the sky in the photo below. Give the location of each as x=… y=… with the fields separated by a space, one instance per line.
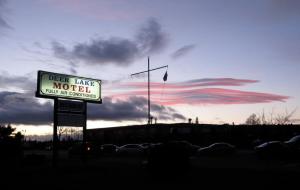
x=226 y=59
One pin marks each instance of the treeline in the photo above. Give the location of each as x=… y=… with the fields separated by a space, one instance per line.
x=10 y=143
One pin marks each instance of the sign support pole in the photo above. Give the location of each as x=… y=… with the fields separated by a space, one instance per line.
x=55 y=138
x=84 y=145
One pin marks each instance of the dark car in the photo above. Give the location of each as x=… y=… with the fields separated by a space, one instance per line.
x=108 y=149
x=293 y=142
x=131 y=150
x=171 y=156
x=216 y=149
x=185 y=146
x=293 y=145
x=272 y=149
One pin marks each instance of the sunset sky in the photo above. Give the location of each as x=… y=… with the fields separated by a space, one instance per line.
x=226 y=59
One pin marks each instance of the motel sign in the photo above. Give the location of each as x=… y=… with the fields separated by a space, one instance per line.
x=70 y=94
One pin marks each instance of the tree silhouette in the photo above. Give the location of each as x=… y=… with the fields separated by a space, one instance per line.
x=6 y=131
x=10 y=143
x=279 y=119
x=253 y=119
x=197 y=120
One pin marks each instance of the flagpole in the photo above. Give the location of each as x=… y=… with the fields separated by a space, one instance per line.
x=148 y=71
x=149 y=116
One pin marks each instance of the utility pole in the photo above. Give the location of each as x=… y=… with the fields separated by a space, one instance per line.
x=148 y=71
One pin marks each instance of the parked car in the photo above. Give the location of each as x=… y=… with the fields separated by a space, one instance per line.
x=169 y=156
x=293 y=145
x=130 y=150
x=294 y=142
x=216 y=149
x=108 y=149
x=146 y=145
x=185 y=146
x=272 y=149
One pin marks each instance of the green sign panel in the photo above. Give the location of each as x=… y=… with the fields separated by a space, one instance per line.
x=55 y=85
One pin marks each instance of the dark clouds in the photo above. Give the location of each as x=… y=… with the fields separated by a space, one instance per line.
x=132 y=109
x=114 y=50
x=3 y=22
x=9 y=82
x=149 y=39
x=23 y=108
x=183 y=51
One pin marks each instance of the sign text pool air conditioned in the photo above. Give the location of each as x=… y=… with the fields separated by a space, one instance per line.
x=54 y=85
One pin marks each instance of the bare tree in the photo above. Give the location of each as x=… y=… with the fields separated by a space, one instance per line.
x=280 y=119
x=61 y=131
x=285 y=118
x=197 y=120
x=253 y=119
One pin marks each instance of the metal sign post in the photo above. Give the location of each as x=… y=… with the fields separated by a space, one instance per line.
x=55 y=138
x=84 y=143
x=70 y=113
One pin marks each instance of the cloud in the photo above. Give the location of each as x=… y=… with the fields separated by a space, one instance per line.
x=114 y=50
x=220 y=96
x=59 y=50
x=206 y=96
x=197 y=92
x=9 y=82
x=183 y=51
x=132 y=109
x=119 y=51
x=151 y=38
x=3 y=22
x=24 y=108
x=189 y=84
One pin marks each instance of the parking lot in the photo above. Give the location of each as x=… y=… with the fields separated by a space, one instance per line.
x=242 y=168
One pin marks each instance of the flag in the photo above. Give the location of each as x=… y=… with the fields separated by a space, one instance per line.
x=165 y=76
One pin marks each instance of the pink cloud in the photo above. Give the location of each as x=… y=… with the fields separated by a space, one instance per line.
x=195 y=92
x=222 y=96
x=206 y=96
x=191 y=83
